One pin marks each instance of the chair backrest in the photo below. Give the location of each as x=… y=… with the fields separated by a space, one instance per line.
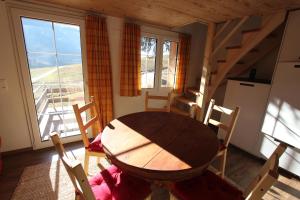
x=91 y=107
x=166 y=108
x=267 y=176
x=74 y=170
x=228 y=128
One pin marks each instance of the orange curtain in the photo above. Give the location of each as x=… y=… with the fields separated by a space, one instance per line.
x=183 y=62
x=130 y=77
x=99 y=69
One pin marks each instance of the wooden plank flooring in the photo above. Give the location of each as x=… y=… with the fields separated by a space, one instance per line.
x=241 y=168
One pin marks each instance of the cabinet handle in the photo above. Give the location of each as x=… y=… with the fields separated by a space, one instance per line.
x=297 y=66
x=247 y=84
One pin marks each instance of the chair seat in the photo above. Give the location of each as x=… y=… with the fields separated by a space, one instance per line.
x=113 y=184
x=206 y=186
x=96 y=144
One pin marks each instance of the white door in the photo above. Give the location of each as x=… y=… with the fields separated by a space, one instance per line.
x=52 y=61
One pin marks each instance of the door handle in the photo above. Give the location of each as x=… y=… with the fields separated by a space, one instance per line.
x=247 y=84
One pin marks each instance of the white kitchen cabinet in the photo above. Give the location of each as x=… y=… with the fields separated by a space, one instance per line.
x=252 y=99
x=282 y=119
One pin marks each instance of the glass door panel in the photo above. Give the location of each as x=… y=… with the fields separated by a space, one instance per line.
x=54 y=59
x=169 y=63
x=148 y=61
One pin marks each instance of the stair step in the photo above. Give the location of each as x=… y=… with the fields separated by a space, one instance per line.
x=232 y=53
x=186 y=101
x=234 y=47
x=220 y=67
x=194 y=91
x=249 y=35
x=251 y=30
x=174 y=109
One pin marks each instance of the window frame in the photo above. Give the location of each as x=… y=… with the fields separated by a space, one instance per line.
x=161 y=36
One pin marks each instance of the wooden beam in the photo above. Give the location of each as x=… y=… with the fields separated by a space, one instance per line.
x=201 y=99
x=224 y=26
x=230 y=35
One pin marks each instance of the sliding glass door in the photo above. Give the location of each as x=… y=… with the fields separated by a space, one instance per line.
x=52 y=51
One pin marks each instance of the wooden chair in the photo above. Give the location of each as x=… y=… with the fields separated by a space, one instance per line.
x=227 y=128
x=108 y=184
x=166 y=108
x=93 y=148
x=211 y=186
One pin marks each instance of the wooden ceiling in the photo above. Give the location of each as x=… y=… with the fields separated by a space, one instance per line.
x=176 y=13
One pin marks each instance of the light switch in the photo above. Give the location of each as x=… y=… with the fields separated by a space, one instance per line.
x=3 y=85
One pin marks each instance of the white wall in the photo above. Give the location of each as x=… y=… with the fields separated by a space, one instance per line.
x=13 y=125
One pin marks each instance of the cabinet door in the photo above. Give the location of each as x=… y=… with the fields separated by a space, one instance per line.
x=282 y=119
x=290 y=49
x=252 y=99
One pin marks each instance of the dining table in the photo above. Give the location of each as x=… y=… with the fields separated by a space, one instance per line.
x=160 y=146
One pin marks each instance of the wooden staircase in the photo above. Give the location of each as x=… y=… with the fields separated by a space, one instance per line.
x=254 y=45
x=250 y=39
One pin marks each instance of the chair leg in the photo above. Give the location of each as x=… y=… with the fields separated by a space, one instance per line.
x=86 y=162
x=223 y=163
x=172 y=197
x=148 y=197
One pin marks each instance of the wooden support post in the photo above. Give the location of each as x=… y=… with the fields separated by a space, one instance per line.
x=201 y=99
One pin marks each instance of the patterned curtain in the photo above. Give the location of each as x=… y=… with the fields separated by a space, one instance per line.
x=99 y=69
x=183 y=62
x=130 y=78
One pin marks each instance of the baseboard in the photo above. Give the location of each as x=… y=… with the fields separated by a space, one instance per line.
x=17 y=151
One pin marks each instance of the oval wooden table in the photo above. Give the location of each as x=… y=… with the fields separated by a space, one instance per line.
x=160 y=146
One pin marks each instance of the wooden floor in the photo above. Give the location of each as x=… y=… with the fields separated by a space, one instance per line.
x=241 y=168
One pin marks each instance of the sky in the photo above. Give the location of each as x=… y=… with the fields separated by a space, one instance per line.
x=44 y=40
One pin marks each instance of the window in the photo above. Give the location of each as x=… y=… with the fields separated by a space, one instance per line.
x=158 y=57
x=148 y=61
x=168 y=70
